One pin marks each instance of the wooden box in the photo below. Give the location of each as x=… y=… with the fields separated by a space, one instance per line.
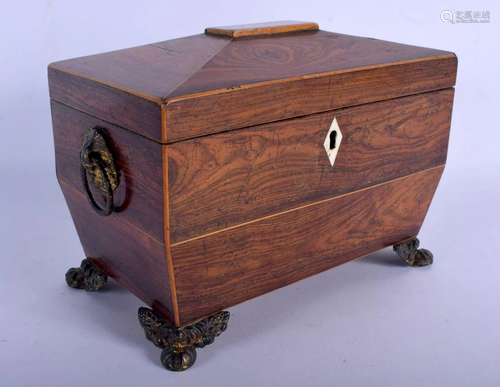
x=205 y=171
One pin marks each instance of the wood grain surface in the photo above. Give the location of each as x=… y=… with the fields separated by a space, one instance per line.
x=129 y=256
x=287 y=57
x=210 y=84
x=219 y=181
x=235 y=265
x=139 y=196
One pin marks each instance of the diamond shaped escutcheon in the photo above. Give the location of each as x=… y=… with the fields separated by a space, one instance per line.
x=332 y=141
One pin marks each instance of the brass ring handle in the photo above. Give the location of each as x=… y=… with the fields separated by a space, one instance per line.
x=109 y=192
x=97 y=161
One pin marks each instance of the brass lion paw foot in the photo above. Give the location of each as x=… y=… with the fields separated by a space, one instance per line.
x=179 y=344
x=87 y=277
x=409 y=251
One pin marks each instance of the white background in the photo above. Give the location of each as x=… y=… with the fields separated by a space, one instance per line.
x=373 y=322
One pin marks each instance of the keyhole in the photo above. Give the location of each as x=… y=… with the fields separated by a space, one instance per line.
x=333 y=139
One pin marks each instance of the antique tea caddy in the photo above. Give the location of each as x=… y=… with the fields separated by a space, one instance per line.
x=205 y=171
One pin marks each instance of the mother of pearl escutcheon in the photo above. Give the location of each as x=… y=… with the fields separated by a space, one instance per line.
x=332 y=141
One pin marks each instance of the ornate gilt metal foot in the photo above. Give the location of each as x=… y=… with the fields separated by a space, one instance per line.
x=409 y=251
x=179 y=344
x=87 y=277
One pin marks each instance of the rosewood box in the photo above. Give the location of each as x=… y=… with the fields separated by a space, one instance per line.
x=204 y=171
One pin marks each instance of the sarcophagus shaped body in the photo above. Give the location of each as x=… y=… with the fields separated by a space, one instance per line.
x=205 y=171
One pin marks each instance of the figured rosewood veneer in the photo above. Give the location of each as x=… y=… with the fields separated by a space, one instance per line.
x=225 y=190
x=216 y=182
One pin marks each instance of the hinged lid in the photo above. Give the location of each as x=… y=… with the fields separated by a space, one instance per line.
x=235 y=77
